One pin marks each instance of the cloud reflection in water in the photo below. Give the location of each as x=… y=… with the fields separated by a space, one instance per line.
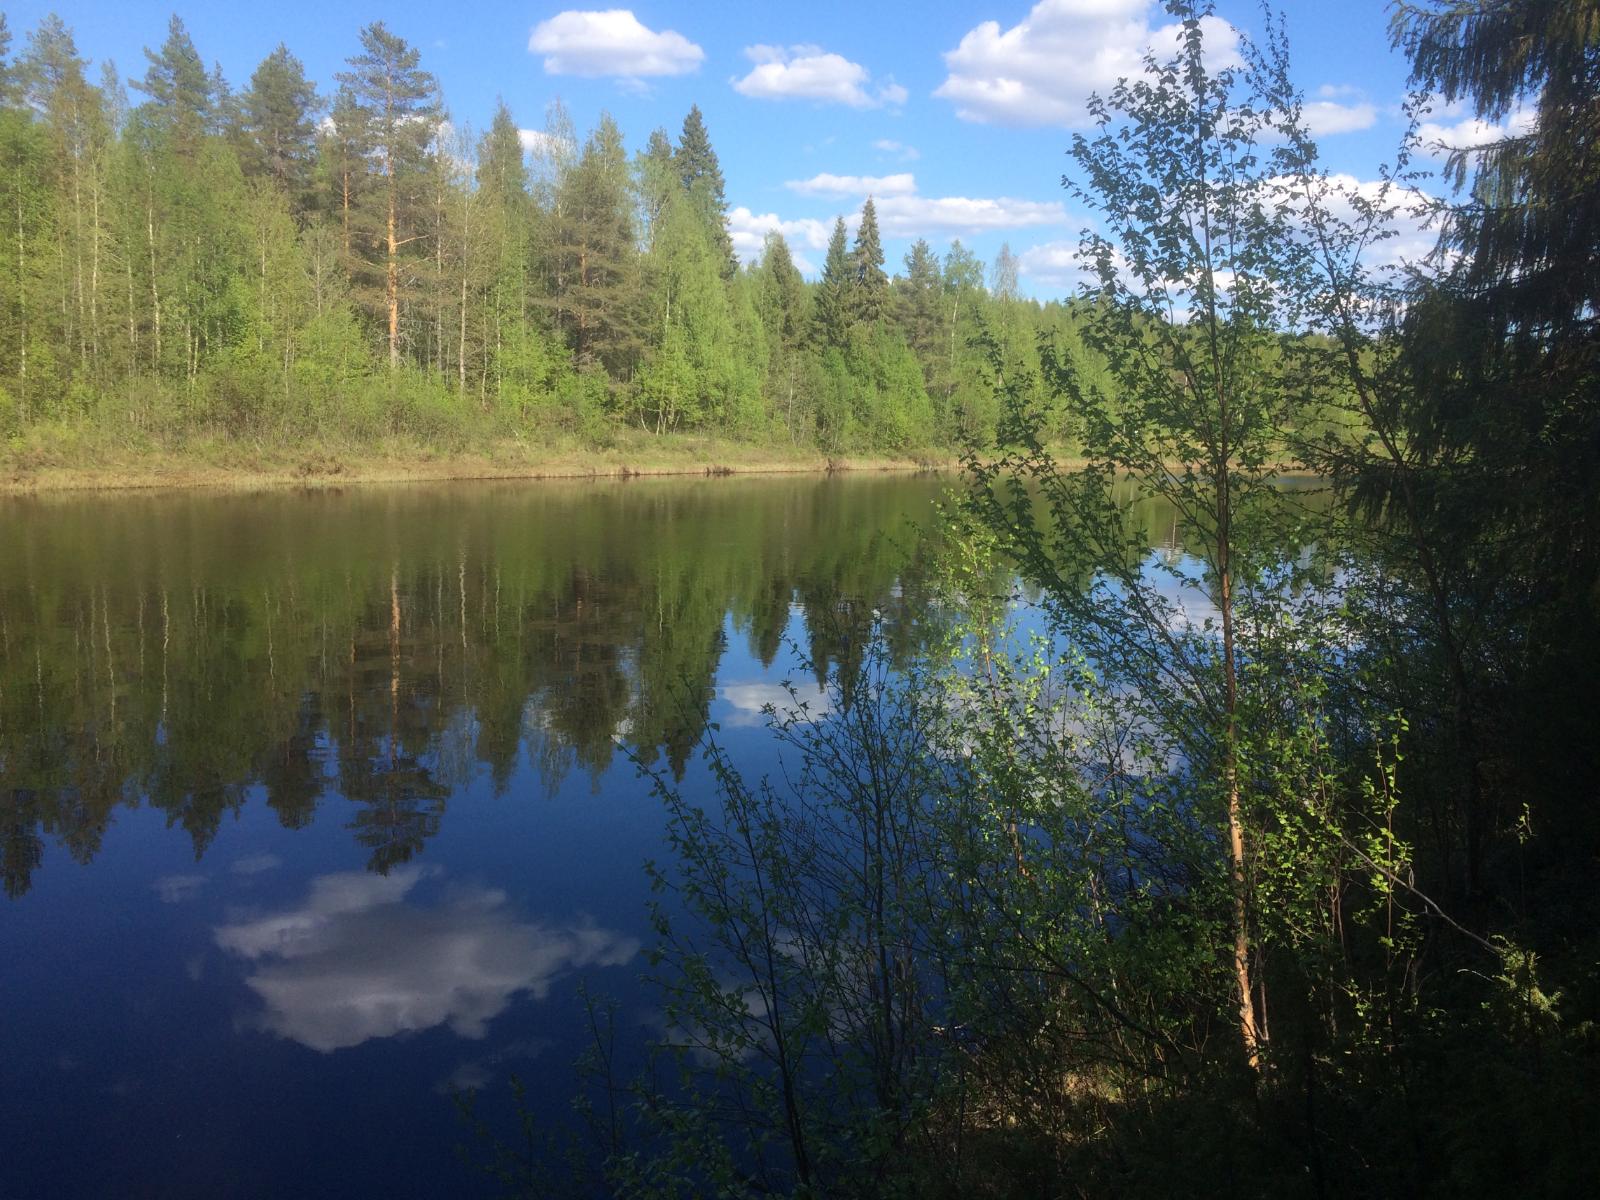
x=358 y=961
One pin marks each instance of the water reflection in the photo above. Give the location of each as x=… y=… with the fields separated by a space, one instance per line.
x=361 y=959
x=376 y=651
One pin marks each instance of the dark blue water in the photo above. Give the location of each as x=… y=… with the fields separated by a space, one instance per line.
x=319 y=808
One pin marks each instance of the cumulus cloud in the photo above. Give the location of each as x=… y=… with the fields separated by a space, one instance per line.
x=1453 y=130
x=1412 y=233
x=537 y=141
x=611 y=43
x=1054 y=264
x=1326 y=117
x=749 y=233
x=811 y=73
x=1413 y=225
x=901 y=213
x=1042 y=70
x=827 y=184
x=359 y=960
x=749 y=702
x=915 y=216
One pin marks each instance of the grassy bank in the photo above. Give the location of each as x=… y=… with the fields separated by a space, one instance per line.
x=85 y=462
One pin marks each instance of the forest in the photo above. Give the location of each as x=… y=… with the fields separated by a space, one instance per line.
x=278 y=267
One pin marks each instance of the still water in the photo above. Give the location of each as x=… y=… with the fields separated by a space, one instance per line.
x=315 y=808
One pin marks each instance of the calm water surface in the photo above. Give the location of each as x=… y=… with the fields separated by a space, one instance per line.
x=315 y=807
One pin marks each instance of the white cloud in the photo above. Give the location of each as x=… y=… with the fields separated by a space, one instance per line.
x=1412 y=234
x=1042 y=70
x=1326 y=117
x=901 y=214
x=357 y=961
x=613 y=43
x=915 y=216
x=537 y=141
x=899 y=150
x=1412 y=224
x=1054 y=264
x=1439 y=137
x=827 y=184
x=749 y=702
x=811 y=73
x=749 y=232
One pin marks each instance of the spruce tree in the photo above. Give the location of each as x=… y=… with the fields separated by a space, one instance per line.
x=595 y=256
x=501 y=169
x=701 y=175
x=783 y=292
x=782 y=308
x=869 y=294
x=75 y=131
x=830 y=312
x=918 y=297
x=279 y=130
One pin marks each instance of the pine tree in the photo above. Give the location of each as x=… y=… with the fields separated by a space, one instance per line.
x=279 y=130
x=342 y=150
x=869 y=293
x=181 y=93
x=830 y=310
x=401 y=103
x=701 y=174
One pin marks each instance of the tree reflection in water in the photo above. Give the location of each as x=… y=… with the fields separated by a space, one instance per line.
x=371 y=652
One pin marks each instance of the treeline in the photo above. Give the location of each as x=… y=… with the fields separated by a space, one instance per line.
x=275 y=263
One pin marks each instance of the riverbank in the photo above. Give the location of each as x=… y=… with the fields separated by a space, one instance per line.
x=230 y=464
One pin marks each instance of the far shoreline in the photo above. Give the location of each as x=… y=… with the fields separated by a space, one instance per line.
x=231 y=467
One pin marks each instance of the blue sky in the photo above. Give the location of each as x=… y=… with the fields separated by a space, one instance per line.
x=956 y=115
